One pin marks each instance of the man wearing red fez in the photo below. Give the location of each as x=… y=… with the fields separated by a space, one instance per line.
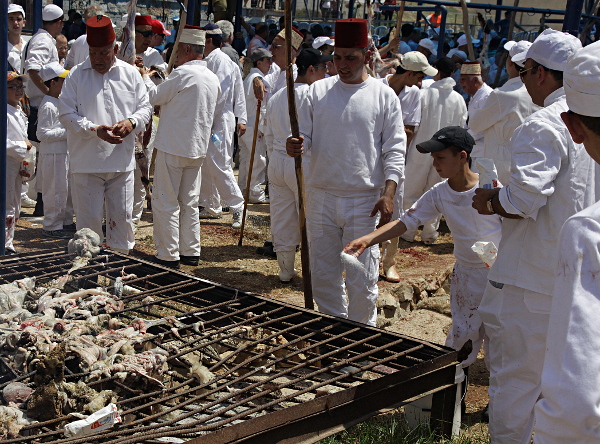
x=145 y=54
x=103 y=102
x=351 y=126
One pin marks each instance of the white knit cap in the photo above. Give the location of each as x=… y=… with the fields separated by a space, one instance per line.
x=428 y=43
x=552 y=49
x=462 y=40
x=16 y=8
x=581 y=80
x=51 y=12
x=517 y=51
x=193 y=36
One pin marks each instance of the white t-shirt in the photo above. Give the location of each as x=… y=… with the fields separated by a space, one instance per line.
x=410 y=100
x=50 y=132
x=466 y=224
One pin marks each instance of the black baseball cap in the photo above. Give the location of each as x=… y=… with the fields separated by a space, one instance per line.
x=311 y=57
x=447 y=137
x=445 y=65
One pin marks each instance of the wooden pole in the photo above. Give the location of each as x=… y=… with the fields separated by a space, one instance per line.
x=252 y=153
x=465 y=13
x=511 y=28
x=308 y=299
x=399 y=21
x=182 y=22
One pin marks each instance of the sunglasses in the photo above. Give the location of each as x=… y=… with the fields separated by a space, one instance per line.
x=522 y=73
x=145 y=33
x=15 y=87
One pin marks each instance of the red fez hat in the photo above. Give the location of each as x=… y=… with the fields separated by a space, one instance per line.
x=142 y=20
x=351 y=33
x=100 y=31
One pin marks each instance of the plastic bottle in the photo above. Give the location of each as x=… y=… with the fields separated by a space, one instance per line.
x=215 y=139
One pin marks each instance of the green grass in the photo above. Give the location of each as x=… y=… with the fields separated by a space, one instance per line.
x=392 y=429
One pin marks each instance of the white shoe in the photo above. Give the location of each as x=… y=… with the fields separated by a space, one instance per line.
x=207 y=214
x=285 y=259
x=237 y=219
x=27 y=202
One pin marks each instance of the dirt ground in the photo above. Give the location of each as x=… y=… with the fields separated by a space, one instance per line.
x=224 y=262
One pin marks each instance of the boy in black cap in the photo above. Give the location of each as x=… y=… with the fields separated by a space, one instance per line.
x=451 y=148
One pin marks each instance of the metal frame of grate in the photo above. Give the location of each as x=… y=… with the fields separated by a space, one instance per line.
x=283 y=373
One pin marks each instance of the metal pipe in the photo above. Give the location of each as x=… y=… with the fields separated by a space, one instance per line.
x=351 y=9
x=442 y=30
x=485 y=6
x=498 y=11
x=572 y=16
x=3 y=100
x=37 y=15
x=191 y=12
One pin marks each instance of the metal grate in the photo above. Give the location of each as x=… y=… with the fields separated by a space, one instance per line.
x=272 y=371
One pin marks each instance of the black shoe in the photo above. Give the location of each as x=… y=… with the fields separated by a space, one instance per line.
x=170 y=264
x=39 y=206
x=10 y=252
x=267 y=251
x=189 y=260
x=70 y=227
x=58 y=234
x=268 y=244
x=485 y=415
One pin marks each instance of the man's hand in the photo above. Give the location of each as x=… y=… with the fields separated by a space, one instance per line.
x=123 y=128
x=482 y=195
x=356 y=247
x=294 y=147
x=259 y=88
x=29 y=145
x=139 y=62
x=241 y=129
x=384 y=206
x=103 y=133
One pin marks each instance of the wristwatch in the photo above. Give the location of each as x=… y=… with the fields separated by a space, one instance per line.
x=133 y=122
x=490 y=207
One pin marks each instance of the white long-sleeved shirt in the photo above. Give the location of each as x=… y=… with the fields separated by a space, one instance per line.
x=568 y=410
x=89 y=99
x=441 y=106
x=466 y=224
x=40 y=51
x=50 y=132
x=475 y=104
x=152 y=57
x=410 y=101
x=551 y=179
x=16 y=132
x=80 y=50
x=232 y=86
x=276 y=79
x=251 y=102
x=188 y=100
x=503 y=112
x=15 y=55
x=278 y=128
x=355 y=136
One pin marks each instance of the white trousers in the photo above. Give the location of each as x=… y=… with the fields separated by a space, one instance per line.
x=516 y=322
x=58 y=206
x=466 y=292
x=218 y=181
x=13 y=199
x=283 y=197
x=90 y=191
x=259 y=166
x=332 y=222
x=175 y=206
x=420 y=177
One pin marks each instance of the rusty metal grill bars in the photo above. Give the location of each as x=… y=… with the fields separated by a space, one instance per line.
x=319 y=351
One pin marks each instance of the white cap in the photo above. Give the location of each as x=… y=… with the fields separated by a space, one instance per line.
x=462 y=40
x=552 y=49
x=51 y=12
x=53 y=70
x=581 y=80
x=16 y=8
x=458 y=53
x=517 y=51
x=322 y=40
x=193 y=36
x=428 y=43
x=416 y=61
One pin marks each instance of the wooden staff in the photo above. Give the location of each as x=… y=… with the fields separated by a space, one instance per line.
x=465 y=13
x=399 y=22
x=182 y=21
x=308 y=299
x=247 y=193
x=511 y=28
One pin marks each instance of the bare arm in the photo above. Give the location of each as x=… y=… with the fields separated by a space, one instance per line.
x=410 y=133
x=389 y=231
x=35 y=78
x=481 y=198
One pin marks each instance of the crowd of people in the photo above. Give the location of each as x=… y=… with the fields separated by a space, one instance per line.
x=391 y=139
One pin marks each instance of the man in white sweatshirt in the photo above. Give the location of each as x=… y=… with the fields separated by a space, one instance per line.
x=351 y=125
x=550 y=181
x=503 y=111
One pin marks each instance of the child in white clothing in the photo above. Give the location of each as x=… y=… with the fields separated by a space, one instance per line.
x=450 y=148
x=53 y=160
x=17 y=146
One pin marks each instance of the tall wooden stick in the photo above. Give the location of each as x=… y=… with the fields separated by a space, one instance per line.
x=399 y=22
x=465 y=12
x=252 y=153
x=182 y=22
x=308 y=299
